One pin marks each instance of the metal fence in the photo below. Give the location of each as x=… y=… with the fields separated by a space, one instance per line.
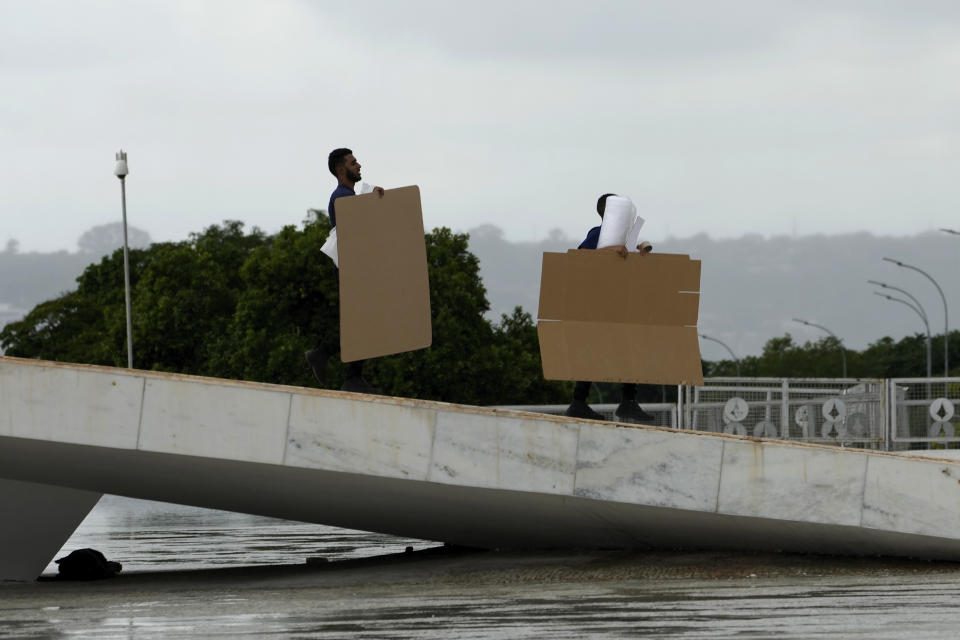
x=922 y=412
x=895 y=414
x=846 y=412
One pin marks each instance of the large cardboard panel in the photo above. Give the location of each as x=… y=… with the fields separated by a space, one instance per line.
x=683 y=276
x=553 y=286
x=606 y=318
x=603 y=287
x=384 y=288
x=618 y=352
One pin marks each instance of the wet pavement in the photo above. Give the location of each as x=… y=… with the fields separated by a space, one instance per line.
x=199 y=574
x=439 y=594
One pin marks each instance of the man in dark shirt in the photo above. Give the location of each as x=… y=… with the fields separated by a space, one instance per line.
x=628 y=409
x=344 y=166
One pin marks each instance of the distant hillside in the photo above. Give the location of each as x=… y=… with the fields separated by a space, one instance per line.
x=753 y=286
x=27 y=279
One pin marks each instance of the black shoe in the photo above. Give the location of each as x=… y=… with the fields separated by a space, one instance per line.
x=317 y=359
x=359 y=385
x=633 y=413
x=580 y=409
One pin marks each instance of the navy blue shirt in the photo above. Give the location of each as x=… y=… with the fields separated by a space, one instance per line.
x=342 y=191
x=590 y=242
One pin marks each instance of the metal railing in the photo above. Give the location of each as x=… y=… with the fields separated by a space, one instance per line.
x=895 y=414
x=922 y=412
x=846 y=412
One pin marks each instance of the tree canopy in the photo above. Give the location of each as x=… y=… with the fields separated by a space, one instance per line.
x=246 y=305
x=232 y=304
x=885 y=358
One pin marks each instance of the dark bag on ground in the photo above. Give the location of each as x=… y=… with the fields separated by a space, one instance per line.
x=87 y=564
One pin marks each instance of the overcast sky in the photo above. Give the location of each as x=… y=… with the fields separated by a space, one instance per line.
x=726 y=117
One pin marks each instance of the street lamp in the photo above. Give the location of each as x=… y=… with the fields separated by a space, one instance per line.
x=922 y=311
x=953 y=231
x=121 y=172
x=946 y=323
x=843 y=350
x=923 y=316
x=732 y=354
x=917 y=307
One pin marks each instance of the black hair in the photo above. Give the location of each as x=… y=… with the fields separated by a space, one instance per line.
x=602 y=203
x=336 y=159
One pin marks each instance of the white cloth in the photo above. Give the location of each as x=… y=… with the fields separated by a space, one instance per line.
x=617 y=219
x=330 y=247
x=621 y=225
x=633 y=235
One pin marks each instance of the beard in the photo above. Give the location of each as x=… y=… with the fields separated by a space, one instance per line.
x=353 y=176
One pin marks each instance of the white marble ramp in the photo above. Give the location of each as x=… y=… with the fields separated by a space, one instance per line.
x=459 y=474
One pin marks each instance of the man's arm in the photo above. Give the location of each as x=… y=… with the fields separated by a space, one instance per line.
x=619 y=248
x=643 y=249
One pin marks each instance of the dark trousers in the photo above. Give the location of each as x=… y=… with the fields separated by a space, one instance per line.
x=332 y=347
x=628 y=391
x=354 y=369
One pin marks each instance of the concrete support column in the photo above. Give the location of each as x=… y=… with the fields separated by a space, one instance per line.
x=35 y=522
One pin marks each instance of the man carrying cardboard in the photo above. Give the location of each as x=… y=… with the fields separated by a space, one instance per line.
x=344 y=166
x=628 y=410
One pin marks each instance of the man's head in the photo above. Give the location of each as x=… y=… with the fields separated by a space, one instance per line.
x=344 y=166
x=602 y=203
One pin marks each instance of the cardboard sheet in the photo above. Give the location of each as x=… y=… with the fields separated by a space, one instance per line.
x=610 y=319
x=384 y=289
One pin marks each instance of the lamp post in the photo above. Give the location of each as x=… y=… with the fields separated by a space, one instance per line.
x=923 y=316
x=946 y=322
x=922 y=311
x=736 y=361
x=917 y=307
x=843 y=350
x=121 y=172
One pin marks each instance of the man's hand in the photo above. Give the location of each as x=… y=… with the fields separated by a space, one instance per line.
x=378 y=191
x=619 y=248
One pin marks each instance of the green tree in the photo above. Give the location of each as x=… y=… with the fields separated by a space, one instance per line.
x=186 y=294
x=68 y=329
x=235 y=305
x=287 y=305
x=87 y=325
x=516 y=348
x=904 y=358
x=885 y=358
x=470 y=360
x=183 y=293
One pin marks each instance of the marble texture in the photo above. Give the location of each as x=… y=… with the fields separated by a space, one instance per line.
x=538 y=455
x=649 y=466
x=791 y=482
x=466 y=450
x=79 y=406
x=500 y=452
x=391 y=439
x=912 y=495
x=502 y=474
x=200 y=418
